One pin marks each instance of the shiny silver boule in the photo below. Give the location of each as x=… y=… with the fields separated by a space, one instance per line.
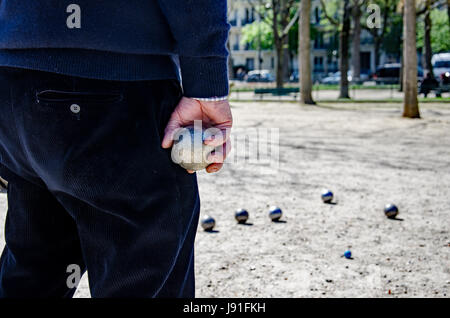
x=208 y=223
x=275 y=213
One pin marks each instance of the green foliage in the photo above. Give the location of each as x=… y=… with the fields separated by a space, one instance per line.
x=439 y=32
x=251 y=33
x=334 y=10
x=293 y=35
x=391 y=43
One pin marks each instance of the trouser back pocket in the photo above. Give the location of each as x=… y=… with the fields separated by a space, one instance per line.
x=56 y=96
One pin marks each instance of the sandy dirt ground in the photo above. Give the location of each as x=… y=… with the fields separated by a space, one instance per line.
x=368 y=156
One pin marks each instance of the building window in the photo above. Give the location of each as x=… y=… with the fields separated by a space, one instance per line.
x=233 y=18
x=236 y=43
x=247 y=17
x=250 y=63
x=318 y=64
x=272 y=62
x=318 y=41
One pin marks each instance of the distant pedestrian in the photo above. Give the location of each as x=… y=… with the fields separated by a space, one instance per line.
x=428 y=84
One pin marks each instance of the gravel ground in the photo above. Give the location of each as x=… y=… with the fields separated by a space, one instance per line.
x=368 y=156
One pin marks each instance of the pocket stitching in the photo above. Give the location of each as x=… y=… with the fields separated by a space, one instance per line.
x=78 y=96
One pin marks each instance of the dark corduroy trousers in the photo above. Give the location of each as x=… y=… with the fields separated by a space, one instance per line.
x=91 y=187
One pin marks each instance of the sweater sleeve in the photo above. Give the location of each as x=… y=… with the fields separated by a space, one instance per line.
x=200 y=29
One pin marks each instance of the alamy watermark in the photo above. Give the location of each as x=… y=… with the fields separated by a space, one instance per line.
x=240 y=146
x=74 y=19
x=374 y=19
x=74 y=277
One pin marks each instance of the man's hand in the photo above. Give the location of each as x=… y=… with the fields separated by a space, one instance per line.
x=212 y=114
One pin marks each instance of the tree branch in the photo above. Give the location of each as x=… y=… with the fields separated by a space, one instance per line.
x=329 y=18
x=432 y=5
x=291 y=23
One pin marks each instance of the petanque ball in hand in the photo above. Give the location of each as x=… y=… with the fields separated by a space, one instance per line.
x=189 y=151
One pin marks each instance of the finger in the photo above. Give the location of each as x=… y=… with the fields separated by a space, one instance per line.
x=190 y=171
x=221 y=153
x=214 y=167
x=219 y=138
x=169 y=133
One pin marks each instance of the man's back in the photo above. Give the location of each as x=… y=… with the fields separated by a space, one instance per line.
x=120 y=40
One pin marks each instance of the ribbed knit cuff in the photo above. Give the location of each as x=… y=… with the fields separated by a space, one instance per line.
x=204 y=77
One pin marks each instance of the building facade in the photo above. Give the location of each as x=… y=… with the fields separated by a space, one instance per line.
x=324 y=48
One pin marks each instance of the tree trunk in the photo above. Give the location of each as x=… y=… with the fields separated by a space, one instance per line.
x=356 y=54
x=410 y=102
x=278 y=42
x=286 y=59
x=402 y=55
x=377 y=46
x=304 y=62
x=279 y=66
x=427 y=40
x=402 y=68
x=343 y=51
x=230 y=61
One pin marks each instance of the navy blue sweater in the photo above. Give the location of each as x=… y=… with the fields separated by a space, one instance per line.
x=120 y=40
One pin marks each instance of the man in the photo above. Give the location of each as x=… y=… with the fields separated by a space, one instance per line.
x=90 y=100
x=428 y=84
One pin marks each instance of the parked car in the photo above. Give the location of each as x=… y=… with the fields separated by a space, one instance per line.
x=390 y=74
x=444 y=84
x=445 y=78
x=335 y=78
x=364 y=75
x=294 y=77
x=260 y=76
x=441 y=64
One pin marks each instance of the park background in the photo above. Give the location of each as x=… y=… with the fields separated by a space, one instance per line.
x=370 y=144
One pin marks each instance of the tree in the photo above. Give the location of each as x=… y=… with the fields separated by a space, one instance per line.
x=427 y=38
x=439 y=32
x=428 y=6
x=281 y=16
x=356 y=43
x=387 y=7
x=343 y=47
x=305 y=53
x=344 y=40
x=277 y=16
x=230 y=61
x=389 y=41
x=410 y=102
x=230 y=8
x=258 y=33
x=448 y=11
